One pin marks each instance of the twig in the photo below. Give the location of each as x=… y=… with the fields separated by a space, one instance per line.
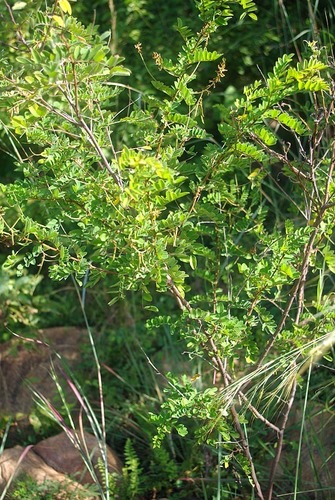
x=299 y=283
x=184 y=304
x=113 y=42
x=18 y=30
x=105 y=162
x=281 y=440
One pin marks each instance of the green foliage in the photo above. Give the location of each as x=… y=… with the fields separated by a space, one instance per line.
x=143 y=197
x=131 y=472
x=18 y=306
x=220 y=12
x=27 y=488
x=186 y=401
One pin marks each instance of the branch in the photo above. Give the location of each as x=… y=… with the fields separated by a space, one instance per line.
x=184 y=304
x=280 y=441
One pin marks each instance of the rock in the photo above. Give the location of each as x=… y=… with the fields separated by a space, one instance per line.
x=17 y=461
x=55 y=459
x=60 y=454
x=26 y=365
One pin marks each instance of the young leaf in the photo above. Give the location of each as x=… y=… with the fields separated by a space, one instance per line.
x=203 y=55
x=164 y=88
x=266 y=135
x=65 y=6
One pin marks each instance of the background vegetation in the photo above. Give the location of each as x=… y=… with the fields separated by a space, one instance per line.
x=167 y=183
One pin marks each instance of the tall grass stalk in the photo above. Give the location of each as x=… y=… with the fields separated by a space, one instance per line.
x=100 y=432
x=75 y=435
x=5 y=435
x=296 y=478
x=219 y=466
x=22 y=456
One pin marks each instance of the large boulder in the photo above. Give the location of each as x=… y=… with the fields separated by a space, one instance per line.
x=18 y=461
x=56 y=459
x=25 y=365
x=64 y=456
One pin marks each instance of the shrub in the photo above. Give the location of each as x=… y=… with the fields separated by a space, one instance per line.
x=234 y=229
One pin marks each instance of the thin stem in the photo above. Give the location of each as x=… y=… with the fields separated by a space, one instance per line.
x=114 y=40
x=98 y=149
x=280 y=441
x=102 y=440
x=226 y=378
x=18 y=30
x=301 y=433
x=299 y=283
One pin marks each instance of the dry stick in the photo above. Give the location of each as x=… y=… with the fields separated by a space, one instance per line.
x=114 y=40
x=18 y=30
x=299 y=293
x=330 y=177
x=299 y=286
x=89 y=134
x=281 y=440
x=244 y=443
x=105 y=162
x=185 y=305
x=5 y=386
x=256 y=412
x=281 y=158
x=295 y=291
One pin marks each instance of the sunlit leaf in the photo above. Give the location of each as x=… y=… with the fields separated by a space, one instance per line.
x=65 y=6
